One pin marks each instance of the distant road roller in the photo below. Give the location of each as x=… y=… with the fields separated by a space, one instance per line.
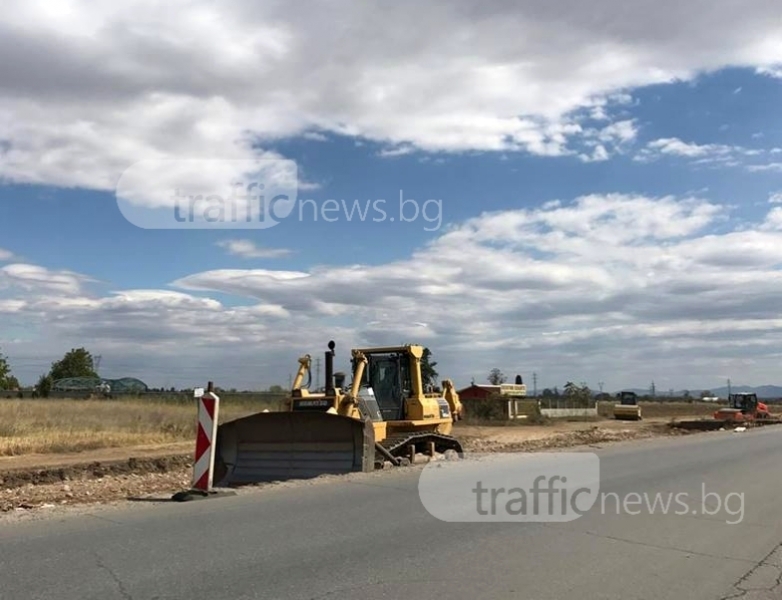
x=627 y=408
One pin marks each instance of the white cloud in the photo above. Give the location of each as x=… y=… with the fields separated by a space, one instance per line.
x=5 y=255
x=774 y=219
x=774 y=71
x=775 y=198
x=721 y=155
x=600 y=288
x=676 y=147
x=38 y=279
x=621 y=132
x=610 y=140
x=12 y=306
x=100 y=88
x=777 y=166
x=397 y=151
x=248 y=249
x=599 y=154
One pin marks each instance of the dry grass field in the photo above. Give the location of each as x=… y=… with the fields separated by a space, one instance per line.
x=55 y=426
x=656 y=410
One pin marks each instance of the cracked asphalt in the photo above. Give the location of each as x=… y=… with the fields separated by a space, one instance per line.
x=369 y=536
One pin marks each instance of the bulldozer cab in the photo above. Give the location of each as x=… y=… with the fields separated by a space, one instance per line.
x=745 y=402
x=388 y=376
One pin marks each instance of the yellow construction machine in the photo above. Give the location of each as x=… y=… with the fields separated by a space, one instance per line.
x=384 y=416
x=627 y=409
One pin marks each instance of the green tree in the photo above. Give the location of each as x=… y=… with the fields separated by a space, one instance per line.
x=5 y=372
x=276 y=389
x=44 y=386
x=76 y=363
x=428 y=373
x=584 y=395
x=496 y=377
x=578 y=395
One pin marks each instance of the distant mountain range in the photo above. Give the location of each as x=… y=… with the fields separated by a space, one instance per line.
x=763 y=391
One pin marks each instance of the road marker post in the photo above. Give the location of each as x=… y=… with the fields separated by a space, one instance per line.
x=206 y=437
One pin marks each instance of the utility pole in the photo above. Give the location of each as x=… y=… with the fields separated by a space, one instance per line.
x=729 y=388
x=600 y=385
x=652 y=390
x=535 y=385
x=317 y=373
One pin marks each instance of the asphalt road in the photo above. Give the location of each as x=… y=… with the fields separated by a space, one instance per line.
x=372 y=538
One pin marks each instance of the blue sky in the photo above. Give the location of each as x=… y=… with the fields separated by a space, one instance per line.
x=662 y=148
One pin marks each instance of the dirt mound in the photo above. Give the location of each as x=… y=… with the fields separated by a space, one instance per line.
x=581 y=437
x=95 y=470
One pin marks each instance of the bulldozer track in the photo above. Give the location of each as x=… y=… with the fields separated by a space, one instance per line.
x=395 y=448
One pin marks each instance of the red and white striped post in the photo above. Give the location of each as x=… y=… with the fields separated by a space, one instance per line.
x=203 y=468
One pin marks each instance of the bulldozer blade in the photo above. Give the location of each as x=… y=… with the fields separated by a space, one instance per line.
x=278 y=446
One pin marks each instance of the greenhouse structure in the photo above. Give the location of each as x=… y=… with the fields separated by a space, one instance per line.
x=98 y=385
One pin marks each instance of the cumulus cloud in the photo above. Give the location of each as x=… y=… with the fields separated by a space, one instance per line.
x=99 y=88
x=248 y=249
x=5 y=255
x=667 y=287
x=561 y=284
x=38 y=279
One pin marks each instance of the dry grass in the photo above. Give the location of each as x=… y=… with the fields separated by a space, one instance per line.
x=55 y=426
x=59 y=425
x=656 y=410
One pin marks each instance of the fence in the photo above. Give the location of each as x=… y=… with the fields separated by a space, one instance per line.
x=571 y=405
x=560 y=413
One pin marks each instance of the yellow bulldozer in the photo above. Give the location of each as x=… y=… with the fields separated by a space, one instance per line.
x=384 y=416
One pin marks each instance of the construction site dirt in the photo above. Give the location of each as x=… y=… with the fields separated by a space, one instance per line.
x=33 y=483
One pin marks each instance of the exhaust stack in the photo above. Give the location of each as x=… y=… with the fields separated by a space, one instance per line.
x=330 y=370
